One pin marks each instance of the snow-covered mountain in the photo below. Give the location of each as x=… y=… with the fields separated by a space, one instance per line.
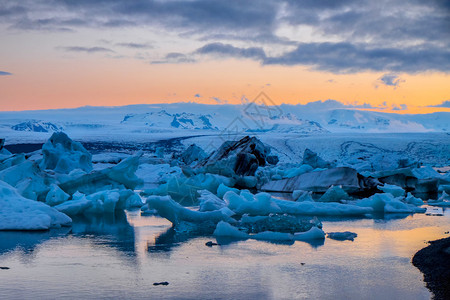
x=156 y=121
x=36 y=126
x=163 y=119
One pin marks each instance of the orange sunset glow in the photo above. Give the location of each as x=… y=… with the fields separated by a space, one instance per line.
x=57 y=64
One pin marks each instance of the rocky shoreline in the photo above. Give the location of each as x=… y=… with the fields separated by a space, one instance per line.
x=434 y=262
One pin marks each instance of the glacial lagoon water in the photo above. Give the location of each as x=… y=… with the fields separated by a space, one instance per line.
x=122 y=256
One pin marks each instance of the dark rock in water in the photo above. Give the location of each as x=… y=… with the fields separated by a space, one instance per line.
x=192 y=153
x=4 y=268
x=211 y=243
x=311 y=158
x=272 y=159
x=161 y=283
x=2 y=142
x=240 y=158
x=246 y=164
x=434 y=262
x=319 y=181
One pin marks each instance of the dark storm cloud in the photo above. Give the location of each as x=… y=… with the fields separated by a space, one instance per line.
x=86 y=49
x=343 y=57
x=392 y=36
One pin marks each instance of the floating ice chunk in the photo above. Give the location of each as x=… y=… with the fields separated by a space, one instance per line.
x=159 y=152
x=278 y=223
x=394 y=190
x=434 y=211
x=444 y=188
x=56 y=196
x=311 y=158
x=240 y=158
x=103 y=202
x=64 y=155
x=133 y=200
x=27 y=177
x=443 y=200
x=7 y=161
x=342 y=236
x=157 y=173
x=147 y=211
x=314 y=233
x=228 y=230
x=19 y=213
x=297 y=171
x=222 y=189
x=334 y=194
x=300 y=196
x=209 y=201
x=123 y=174
x=246 y=181
x=272 y=236
x=410 y=199
x=246 y=203
x=184 y=189
x=321 y=208
x=125 y=171
x=387 y=203
x=317 y=181
x=192 y=153
x=175 y=213
x=425 y=172
x=74 y=207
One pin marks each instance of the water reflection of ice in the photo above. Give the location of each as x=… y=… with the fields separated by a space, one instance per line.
x=121 y=256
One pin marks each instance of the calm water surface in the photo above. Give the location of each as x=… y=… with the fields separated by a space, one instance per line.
x=122 y=256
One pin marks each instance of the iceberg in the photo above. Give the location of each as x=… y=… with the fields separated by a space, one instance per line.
x=63 y=155
x=119 y=176
x=342 y=236
x=334 y=194
x=387 y=203
x=210 y=202
x=175 y=213
x=56 y=196
x=394 y=190
x=19 y=213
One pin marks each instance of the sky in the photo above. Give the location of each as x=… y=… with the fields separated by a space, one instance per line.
x=389 y=55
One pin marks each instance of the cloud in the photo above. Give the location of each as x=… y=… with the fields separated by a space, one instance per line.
x=227 y=50
x=351 y=58
x=219 y=101
x=4 y=73
x=341 y=57
x=86 y=49
x=443 y=104
x=197 y=96
x=135 y=45
x=174 y=58
x=346 y=36
x=399 y=107
x=391 y=80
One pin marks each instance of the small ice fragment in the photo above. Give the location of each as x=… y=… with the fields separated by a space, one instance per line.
x=342 y=236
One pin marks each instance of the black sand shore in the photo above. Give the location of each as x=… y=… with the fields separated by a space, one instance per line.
x=434 y=262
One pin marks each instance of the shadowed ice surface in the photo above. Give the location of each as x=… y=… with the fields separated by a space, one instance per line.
x=122 y=256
